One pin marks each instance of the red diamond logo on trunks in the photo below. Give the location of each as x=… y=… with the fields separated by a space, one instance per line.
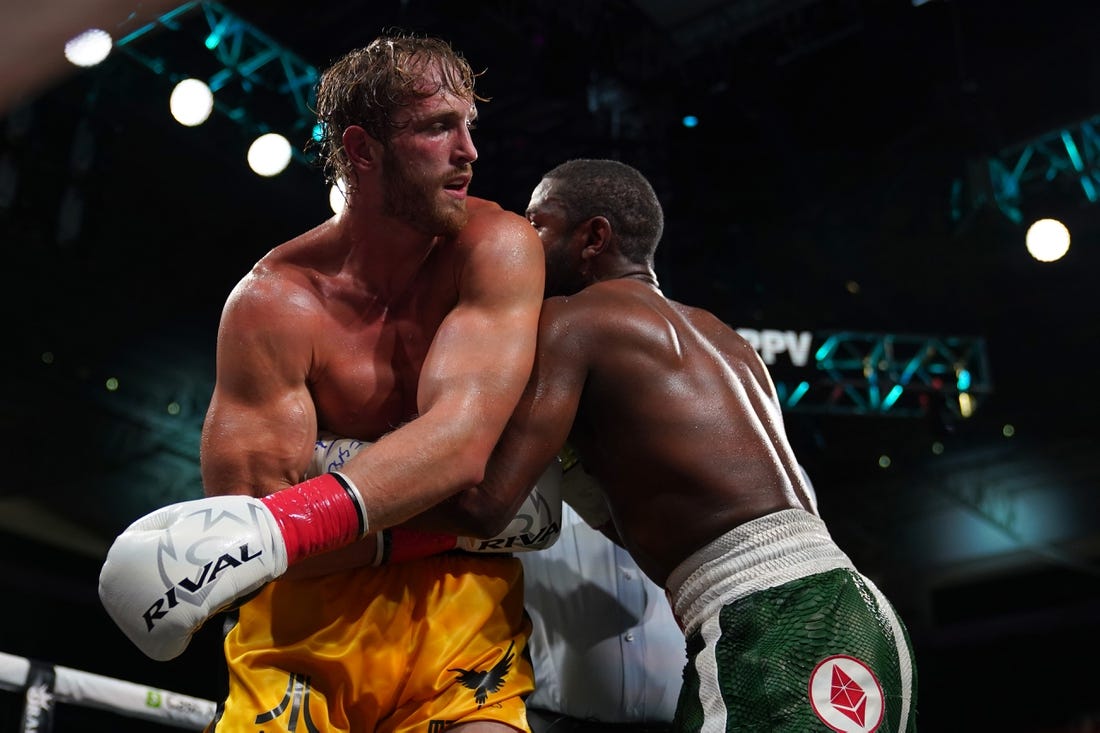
x=846 y=696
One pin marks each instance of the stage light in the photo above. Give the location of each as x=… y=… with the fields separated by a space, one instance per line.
x=215 y=38
x=191 y=102
x=962 y=379
x=336 y=200
x=892 y=397
x=88 y=48
x=966 y=404
x=1047 y=240
x=690 y=121
x=269 y=154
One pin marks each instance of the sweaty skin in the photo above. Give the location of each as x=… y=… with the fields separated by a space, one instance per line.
x=675 y=416
x=367 y=326
x=670 y=409
x=409 y=321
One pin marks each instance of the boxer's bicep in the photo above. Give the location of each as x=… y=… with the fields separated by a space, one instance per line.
x=261 y=424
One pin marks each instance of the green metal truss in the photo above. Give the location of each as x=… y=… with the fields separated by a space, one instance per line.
x=257 y=82
x=1068 y=154
x=890 y=374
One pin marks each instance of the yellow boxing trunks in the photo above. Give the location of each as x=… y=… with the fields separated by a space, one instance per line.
x=406 y=648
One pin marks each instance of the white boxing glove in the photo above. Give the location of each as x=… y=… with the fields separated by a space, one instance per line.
x=331 y=452
x=537 y=523
x=173 y=569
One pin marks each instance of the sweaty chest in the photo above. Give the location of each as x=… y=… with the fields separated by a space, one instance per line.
x=366 y=368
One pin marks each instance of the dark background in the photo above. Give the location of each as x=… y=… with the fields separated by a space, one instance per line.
x=814 y=195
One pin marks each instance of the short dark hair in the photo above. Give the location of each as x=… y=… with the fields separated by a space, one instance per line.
x=618 y=192
x=368 y=85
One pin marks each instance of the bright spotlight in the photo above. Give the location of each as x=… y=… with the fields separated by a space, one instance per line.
x=269 y=154
x=690 y=121
x=336 y=200
x=966 y=404
x=88 y=48
x=191 y=102
x=1047 y=240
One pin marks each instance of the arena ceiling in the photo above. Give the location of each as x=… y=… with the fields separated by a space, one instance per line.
x=815 y=195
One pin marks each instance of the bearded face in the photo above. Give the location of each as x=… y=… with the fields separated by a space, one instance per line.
x=416 y=198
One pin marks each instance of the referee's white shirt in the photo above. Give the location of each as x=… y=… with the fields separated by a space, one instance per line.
x=604 y=644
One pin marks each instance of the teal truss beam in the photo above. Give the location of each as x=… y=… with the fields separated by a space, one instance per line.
x=888 y=374
x=257 y=82
x=1070 y=154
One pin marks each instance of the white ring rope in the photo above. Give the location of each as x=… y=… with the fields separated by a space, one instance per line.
x=106 y=693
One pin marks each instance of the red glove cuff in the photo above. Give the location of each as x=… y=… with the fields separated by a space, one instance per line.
x=401 y=544
x=316 y=515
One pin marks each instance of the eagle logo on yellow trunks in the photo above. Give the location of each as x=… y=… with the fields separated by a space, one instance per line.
x=483 y=683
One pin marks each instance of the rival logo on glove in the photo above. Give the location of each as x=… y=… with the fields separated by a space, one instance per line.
x=520 y=541
x=194 y=586
x=174 y=568
x=199 y=573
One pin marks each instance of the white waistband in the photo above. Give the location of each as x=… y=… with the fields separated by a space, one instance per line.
x=754 y=556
